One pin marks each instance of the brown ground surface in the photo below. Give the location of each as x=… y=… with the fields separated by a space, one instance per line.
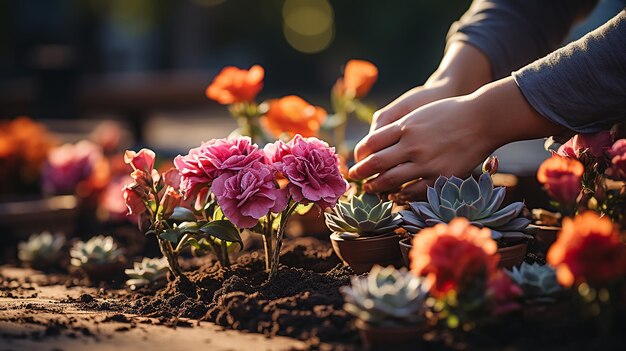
x=39 y=317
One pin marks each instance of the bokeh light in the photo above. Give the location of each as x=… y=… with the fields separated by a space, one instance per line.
x=308 y=25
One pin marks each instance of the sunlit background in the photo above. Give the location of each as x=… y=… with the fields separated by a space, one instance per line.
x=147 y=62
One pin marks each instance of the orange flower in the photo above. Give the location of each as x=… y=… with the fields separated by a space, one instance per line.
x=588 y=249
x=358 y=78
x=560 y=177
x=292 y=115
x=234 y=85
x=450 y=255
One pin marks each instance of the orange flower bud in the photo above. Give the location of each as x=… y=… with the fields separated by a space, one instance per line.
x=358 y=78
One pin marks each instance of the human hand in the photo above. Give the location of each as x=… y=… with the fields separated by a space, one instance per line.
x=447 y=137
x=462 y=70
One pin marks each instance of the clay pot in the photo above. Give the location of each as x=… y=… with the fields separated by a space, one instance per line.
x=386 y=337
x=362 y=254
x=405 y=247
x=512 y=255
x=545 y=234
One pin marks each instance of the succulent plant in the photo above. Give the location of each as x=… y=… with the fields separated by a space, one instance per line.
x=99 y=250
x=536 y=281
x=146 y=272
x=479 y=202
x=365 y=215
x=41 y=249
x=386 y=297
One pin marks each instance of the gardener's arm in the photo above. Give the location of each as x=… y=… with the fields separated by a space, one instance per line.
x=580 y=87
x=493 y=38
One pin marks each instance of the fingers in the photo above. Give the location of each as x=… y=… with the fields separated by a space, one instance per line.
x=412 y=192
x=377 y=141
x=393 y=179
x=379 y=162
x=396 y=109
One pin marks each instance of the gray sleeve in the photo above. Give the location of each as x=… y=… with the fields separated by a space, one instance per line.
x=583 y=85
x=513 y=33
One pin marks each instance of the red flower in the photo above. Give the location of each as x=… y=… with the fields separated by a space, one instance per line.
x=560 y=177
x=588 y=249
x=450 y=255
x=503 y=293
x=233 y=85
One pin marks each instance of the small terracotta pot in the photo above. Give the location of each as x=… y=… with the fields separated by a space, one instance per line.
x=545 y=234
x=373 y=336
x=405 y=247
x=513 y=255
x=362 y=254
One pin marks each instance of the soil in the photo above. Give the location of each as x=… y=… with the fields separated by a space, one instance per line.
x=302 y=302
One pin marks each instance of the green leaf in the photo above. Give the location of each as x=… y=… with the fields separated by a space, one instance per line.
x=170 y=235
x=218 y=214
x=223 y=230
x=303 y=209
x=182 y=214
x=189 y=227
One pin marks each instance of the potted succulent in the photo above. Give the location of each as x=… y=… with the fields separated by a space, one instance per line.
x=540 y=289
x=389 y=306
x=479 y=202
x=148 y=272
x=364 y=232
x=41 y=251
x=99 y=257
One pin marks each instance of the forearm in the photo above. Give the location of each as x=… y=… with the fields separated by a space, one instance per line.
x=463 y=69
x=504 y=115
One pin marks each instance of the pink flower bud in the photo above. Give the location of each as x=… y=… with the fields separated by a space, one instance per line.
x=134 y=199
x=172 y=178
x=491 y=165
x=142 y=160
x=170 y=200
x=618 y=160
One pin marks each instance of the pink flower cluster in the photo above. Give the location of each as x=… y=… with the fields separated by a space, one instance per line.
x=243 y=177
x=146 y=180
x=618 y=160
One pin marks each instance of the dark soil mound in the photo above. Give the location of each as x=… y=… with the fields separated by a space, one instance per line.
x=303 y=301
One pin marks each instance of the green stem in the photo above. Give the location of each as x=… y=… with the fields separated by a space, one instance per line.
x=279 y=239
x=168 y=252
x=340 y=134
x=226 y=262
x=267 y=242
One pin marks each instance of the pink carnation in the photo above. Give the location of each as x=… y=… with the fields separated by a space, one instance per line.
x=247 y=196
x=312 y=168
x=213 y=158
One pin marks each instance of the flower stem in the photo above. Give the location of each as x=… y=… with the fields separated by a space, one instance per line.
x=226 y=262
x=168 y=252
x=279 y=238
x=267 y=242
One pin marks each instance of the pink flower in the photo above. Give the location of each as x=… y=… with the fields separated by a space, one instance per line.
x=596 y=144
x=618 y=160
x=133 y=197
x=503 y=293
x=68 y=165
x=172 y=178
x=247 y=196
x=142 y=160
x=170 y=200
x=561 y=177
x=312 y=168
x=213 y=158
x=112 y=200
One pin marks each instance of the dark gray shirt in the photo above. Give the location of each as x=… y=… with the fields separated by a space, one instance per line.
x=581 y=86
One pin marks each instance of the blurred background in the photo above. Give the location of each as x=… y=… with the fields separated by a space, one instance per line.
x=148 y=62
